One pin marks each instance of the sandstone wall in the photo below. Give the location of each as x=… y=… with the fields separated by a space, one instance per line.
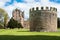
x=43 y=19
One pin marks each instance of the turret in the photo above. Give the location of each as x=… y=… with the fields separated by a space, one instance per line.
x=42 y=8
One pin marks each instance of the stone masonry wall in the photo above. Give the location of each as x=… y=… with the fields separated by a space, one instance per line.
x=43 y=20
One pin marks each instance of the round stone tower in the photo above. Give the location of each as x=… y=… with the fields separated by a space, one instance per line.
x=44 y=19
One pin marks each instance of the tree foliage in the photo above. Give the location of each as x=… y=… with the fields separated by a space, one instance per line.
x=14 y=24
x=58 y=22
x=3 y=17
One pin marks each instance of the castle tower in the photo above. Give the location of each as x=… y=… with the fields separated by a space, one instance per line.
x=19 y=16
x=43 y=20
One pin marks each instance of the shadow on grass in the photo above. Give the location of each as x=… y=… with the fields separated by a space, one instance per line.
x=35 y=37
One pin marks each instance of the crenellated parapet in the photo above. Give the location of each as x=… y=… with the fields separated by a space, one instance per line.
x=44 y=8
x=43 y=19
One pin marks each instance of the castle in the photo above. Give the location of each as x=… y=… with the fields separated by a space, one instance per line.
x=39 y=19
x=19 y=16
x=44 y=19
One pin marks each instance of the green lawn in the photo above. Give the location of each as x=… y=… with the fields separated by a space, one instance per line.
x=24 y=34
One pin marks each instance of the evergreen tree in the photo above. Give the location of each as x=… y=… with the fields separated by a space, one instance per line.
x=14 y=24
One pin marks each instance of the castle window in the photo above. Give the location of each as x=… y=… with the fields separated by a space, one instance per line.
x=31 y=14
x=53 y=14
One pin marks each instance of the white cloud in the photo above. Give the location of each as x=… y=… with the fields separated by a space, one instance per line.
x=30 y=3
x=51 y=4
x=1 y=4
x=5 y=1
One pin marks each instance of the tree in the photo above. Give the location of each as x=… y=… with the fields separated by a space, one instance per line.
x=14 y=24
x=3 y=17
x=58 y=22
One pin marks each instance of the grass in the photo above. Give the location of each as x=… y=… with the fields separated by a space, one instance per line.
x=24 y=34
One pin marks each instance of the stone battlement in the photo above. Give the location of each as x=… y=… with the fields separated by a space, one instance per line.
x=43 y=19
x=42 y=8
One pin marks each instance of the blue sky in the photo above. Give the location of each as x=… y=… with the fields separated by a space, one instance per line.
x=25 y=5
x=56 y=1
x=12 y=1
x=23 y=1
